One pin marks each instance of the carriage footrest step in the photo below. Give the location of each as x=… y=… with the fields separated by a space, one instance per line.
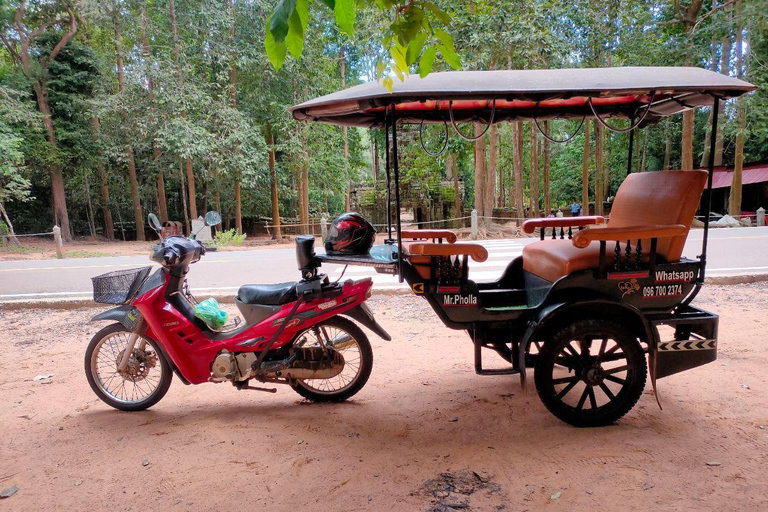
x=489 y=371
x=496 y=371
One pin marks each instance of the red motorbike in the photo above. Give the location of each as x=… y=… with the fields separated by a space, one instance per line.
x=294 y=333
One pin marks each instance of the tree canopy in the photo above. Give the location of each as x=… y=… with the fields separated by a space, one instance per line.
x=110 y=109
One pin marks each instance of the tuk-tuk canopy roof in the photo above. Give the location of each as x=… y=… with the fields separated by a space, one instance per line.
x=525 y=95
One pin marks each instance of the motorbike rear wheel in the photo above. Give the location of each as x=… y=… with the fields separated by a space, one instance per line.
x=141 y=385
x=348 y=339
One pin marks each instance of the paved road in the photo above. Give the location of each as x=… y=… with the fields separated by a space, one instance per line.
x=737 y=251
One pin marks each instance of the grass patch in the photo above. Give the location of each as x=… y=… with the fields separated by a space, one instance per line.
x=85 y=254
x=20 y=249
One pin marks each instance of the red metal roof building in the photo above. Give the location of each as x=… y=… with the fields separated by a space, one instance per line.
x=754 y=180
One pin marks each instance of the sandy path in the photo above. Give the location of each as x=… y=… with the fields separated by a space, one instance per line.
x=44 y=249
x=394 y=446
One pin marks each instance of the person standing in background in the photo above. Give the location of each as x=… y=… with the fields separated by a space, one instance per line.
x=575 y=209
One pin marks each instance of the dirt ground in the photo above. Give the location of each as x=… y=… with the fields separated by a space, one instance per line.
x=425 y=434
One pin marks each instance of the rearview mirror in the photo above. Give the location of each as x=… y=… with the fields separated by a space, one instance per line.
x=212 y=219
x=154 y=222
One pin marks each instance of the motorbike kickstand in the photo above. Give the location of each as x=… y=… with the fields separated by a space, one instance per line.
x=255 y=388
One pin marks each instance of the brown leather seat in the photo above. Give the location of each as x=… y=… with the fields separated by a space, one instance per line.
x=644 y=199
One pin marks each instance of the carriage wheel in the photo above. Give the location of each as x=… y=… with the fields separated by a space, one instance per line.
x=591 y=373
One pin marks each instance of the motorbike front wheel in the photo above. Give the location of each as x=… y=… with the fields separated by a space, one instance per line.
x=348 y=339
x=145 y=379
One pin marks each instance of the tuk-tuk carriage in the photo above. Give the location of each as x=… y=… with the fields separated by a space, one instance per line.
x=586 y=303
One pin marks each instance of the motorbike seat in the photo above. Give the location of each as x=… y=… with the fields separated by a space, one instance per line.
x=267 y=294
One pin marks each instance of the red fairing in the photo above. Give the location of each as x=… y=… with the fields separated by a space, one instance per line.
x=193 y=352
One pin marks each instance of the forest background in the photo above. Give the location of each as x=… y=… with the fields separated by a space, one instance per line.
x=110 y=109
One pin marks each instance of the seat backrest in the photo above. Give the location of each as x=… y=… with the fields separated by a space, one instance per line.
x=663 y=197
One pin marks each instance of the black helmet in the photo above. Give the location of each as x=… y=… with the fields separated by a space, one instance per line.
x=350 y=233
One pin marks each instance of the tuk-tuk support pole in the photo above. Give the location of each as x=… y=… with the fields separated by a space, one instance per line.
x=389 y=239
x=396 y=168
x=708 y=201
x=631 y=147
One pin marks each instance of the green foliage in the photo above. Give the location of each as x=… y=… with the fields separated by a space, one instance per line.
x=415 y=36
x=15 y=114
x=229 y=237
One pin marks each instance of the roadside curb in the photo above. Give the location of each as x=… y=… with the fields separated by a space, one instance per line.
x=737 y=279
x=230 y=298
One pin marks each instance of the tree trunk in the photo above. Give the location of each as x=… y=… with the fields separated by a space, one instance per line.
x=480 y=183
x=668 y=147
x=191 y=188
x=138 y=215
x=11 y=232
x=493 y=159
x=35 y=67
x=162 y=204
x=180 y=76
x=547 y=192
x=645 y=152
x=688 y=17
x=712 y=67
x=277 y=234
x=725 y=59
x=606 y=167
x=457 y=196
x=305 y=181
x=585 y=171
x=348 y=191
x=184 y=198
x=734 y=201
x=686 y=157
x=205 y=196
x=60 y=215
x=598 y=169
x=302 y=176
x=534 y=176
x=502 y=186
x=517 y=169
x=109 y=228
x=89 y=211
x=374 y=159
x=233 y=101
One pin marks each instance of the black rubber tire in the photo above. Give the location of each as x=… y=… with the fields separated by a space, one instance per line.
x=160 y=391
x=615 y=408
x=366 y=364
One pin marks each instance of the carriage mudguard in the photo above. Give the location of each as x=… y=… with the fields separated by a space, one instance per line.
x=126 y=315
x=694 y=343
x=553 y=316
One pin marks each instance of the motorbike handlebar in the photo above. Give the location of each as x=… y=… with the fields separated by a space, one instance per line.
x=177 y=251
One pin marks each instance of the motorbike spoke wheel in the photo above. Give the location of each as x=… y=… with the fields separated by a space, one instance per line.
x=143 y=382
x=352 y=343
x=591 y=373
